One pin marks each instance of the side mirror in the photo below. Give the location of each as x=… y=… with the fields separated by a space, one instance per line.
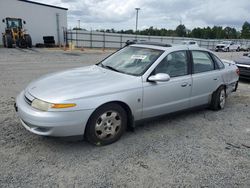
x=160 y=77
x=3 y=20
x=24 y=22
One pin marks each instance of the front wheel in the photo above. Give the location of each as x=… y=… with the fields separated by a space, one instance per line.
x=106 y=125
x=218 y=99
x=21 y=43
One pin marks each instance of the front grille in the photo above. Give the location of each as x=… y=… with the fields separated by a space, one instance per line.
x=27 y=100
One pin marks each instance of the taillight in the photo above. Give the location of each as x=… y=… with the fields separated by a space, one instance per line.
x=238 y=71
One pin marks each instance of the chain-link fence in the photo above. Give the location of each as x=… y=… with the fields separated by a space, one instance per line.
x=93 y=39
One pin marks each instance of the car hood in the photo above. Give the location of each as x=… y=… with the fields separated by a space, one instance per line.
x=243 y=60
x=80 y=83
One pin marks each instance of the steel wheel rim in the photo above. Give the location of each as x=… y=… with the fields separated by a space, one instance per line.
x=222 y=98
x=108 y=125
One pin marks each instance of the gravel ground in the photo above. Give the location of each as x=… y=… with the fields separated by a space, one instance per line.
x=200 y=148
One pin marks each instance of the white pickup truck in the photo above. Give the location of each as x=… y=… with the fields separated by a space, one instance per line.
x=227 y=46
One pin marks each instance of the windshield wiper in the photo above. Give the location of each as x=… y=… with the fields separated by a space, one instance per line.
x=109 y=67
x=112 y=68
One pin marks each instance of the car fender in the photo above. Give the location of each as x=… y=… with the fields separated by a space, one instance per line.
x=132 y=98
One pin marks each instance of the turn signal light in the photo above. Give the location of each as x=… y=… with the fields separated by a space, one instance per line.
x=63 y=105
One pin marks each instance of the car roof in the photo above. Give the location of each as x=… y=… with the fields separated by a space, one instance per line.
x=189 y=41
x=172 y=48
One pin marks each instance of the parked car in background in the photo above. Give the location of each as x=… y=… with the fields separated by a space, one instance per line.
x=190 y=42
x=227 y=46
x=243 y=64
x=245 y=47
x=138 y=82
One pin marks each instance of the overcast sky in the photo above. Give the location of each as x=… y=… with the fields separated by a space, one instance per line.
x=120 y=14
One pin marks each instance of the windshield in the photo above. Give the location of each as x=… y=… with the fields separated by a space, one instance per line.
x=13 y=23
x=132 y=60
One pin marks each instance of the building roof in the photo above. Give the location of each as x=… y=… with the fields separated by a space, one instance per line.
x=36 y=3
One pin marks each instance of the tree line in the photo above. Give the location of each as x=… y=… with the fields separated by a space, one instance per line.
x=216 y=32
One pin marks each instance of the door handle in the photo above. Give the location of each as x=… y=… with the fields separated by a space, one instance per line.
x=184 y=84
x=215 y=78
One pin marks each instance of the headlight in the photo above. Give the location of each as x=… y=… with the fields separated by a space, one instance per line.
x=45 y=106
x=41 y=105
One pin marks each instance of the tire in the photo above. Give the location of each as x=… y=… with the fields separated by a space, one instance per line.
x=238 y=49
x=218 y=99
x=8 y=41
x=28 y=40
x=228 y=50
x=102 y=128
x=4 y=42
x=21 y=43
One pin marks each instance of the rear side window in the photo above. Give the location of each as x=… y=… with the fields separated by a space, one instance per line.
x=202 y=62
x=218 y=62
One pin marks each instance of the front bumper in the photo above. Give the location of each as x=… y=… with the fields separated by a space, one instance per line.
x=69 y=123
x=220 y=49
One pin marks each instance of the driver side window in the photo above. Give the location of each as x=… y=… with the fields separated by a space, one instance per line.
x=174 y=64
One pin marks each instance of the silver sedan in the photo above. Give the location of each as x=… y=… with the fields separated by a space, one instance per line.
x=137 y=82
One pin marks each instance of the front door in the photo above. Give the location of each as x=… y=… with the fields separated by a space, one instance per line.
x=173 y=95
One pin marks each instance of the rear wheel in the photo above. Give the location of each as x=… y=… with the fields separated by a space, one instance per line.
x=4 y=42
x=106 y=125
x=28 y=40
x=8 y=41
x=218 y=99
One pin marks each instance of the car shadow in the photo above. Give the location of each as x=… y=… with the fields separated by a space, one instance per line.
x=168 y=120
x=244 y=80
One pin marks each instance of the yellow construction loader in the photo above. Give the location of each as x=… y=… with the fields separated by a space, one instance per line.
x=15 y=34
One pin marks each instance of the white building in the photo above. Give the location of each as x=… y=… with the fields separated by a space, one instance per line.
x=41 y=19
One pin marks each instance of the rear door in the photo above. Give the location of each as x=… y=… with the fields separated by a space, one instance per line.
x=173 y=95
x=206 y=77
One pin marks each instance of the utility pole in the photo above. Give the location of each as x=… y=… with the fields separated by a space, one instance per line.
x=136 y=21
x=79 y=24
